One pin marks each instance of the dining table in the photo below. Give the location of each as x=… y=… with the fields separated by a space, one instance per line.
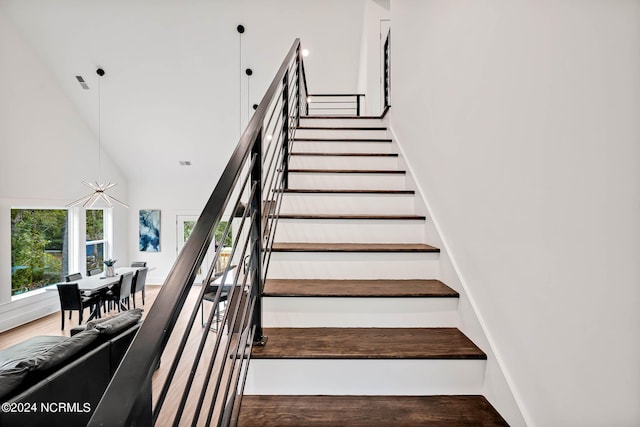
x=91 y=284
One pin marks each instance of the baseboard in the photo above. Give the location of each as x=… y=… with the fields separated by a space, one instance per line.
x=519 y=416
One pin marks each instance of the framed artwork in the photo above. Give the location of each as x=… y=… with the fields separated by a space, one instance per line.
x=149 y=226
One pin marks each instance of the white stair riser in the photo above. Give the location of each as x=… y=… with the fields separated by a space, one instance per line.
x=350 y=231
x=333 y=106
x=349 y=265
x=348 y=203
x=324 y=312
x=342 y=147
x=337 y=122
x=339 y=133
x=343 y=162
x=346 y=181
x=364 y=377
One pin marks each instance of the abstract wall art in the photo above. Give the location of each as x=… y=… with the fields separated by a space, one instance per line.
x=149 y=230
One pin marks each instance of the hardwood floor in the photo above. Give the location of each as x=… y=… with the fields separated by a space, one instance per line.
x=201 y=374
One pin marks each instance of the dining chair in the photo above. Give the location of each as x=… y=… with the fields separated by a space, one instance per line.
x=72 y=277
x=139 y=281
x=94 y=271
x=120 y=293
x=71 y=299
x=210 y=295
x=139 y=264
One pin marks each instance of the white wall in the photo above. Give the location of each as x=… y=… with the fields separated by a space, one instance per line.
x=173 y=95
x=172 y=200
x=46 y=150
x=181 y=190
x=496 y=387
x=171 y=91
x=523 y=120
x=374 y=21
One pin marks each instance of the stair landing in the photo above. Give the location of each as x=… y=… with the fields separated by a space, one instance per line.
x=368 y=411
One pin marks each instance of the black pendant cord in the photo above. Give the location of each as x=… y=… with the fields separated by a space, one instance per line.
x=240 y=89
x=100 y=73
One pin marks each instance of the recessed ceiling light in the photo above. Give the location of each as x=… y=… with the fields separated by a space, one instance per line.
x=82 y=82
x=305 y=52
x=185 y=162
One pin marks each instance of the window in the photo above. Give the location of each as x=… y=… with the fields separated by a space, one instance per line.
x=95 y=240
x=190 y=224
x=39 y=248
x=186 y=225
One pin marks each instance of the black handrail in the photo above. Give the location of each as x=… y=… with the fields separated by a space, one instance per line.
x=128 y=399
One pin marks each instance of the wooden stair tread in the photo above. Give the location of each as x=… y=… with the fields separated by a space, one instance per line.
x=342 y=127
x=341 y=117
x=352 y=216
x=317 y=139
x=323 y=154
x=358 y=288
x=352 y=247
x=318 y=190
x=371 y=171
x=367 y=343
x=368 y=411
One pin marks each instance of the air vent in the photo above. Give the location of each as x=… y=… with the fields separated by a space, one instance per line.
x=185 y=163
x=82 y=82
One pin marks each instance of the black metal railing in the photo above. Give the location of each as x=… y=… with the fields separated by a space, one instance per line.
x=386 y=73
x=335 y=104
x=198 y=373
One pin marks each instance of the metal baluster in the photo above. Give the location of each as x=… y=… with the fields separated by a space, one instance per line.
x=285 y=128
x=256 y=239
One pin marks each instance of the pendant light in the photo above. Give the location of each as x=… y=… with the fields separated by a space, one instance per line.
x=99 y=188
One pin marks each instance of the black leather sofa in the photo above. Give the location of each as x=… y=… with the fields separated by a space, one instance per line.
x=58 y=381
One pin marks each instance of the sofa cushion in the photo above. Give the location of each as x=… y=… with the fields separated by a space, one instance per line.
x=117 y=323
x=64 y=350
x=11 y=378
x=17 y=361
x=11 y=356
x=93 y=323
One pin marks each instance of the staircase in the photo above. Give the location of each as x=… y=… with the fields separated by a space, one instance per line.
x=360 y=331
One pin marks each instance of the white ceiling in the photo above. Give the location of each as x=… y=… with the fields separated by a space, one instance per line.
x=173 y=77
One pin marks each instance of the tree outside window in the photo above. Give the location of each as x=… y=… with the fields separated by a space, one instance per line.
x=95 y=240
x=226 y=242
x=39 y=248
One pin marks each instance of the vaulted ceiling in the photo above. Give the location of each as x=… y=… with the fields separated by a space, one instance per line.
x=175 y=87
